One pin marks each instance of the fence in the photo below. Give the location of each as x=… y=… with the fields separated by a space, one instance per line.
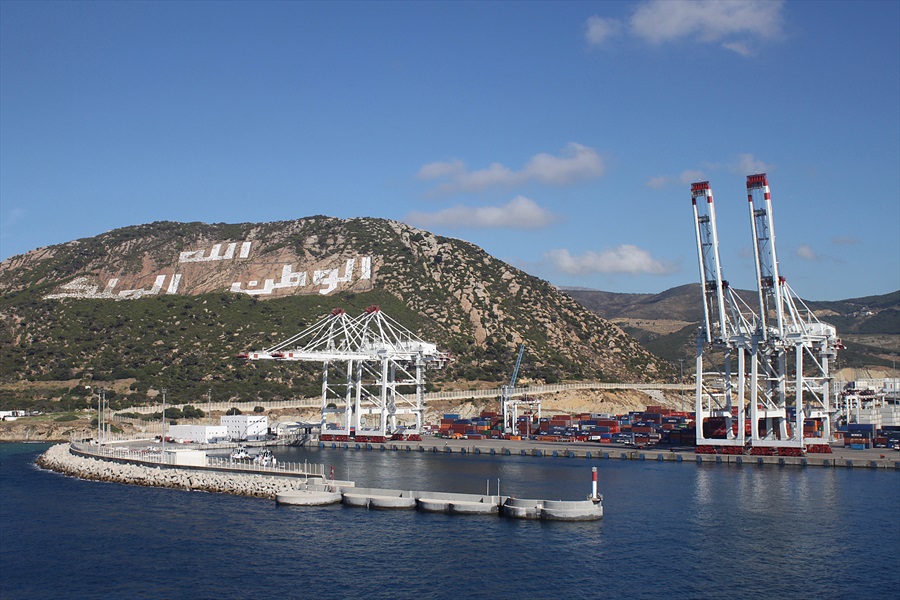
x=155 y=455
x=315 y=403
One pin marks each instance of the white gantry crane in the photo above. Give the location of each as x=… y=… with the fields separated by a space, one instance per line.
x=373 y=371
x=787 y=349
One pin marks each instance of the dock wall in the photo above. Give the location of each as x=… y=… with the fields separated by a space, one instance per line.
x=598 y=453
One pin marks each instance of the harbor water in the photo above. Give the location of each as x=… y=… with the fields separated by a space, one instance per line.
x=678 y=530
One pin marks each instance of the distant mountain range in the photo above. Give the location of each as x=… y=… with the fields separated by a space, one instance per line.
x=666 y=323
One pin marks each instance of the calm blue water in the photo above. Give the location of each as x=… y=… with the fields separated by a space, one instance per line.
x=670 y=530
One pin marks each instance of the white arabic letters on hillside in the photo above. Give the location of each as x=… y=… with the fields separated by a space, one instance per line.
x=214 y=253
x=327 y=278
x=80 y=288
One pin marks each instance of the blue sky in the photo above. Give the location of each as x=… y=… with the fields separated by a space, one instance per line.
x=560 y=137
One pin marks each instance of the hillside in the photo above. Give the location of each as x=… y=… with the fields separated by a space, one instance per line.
x=666 y=323
x=170 y=304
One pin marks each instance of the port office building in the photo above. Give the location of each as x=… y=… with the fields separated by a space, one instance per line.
x=246 y=427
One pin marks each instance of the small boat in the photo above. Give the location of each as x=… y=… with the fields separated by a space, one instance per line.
x=240 y=453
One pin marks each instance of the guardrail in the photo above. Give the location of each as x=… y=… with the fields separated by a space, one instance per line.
x=532 y=390
x=216 y=463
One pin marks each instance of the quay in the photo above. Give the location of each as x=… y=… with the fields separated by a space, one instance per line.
x=839 y=458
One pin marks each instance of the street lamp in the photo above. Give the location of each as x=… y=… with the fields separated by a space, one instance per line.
x=101 y=396
x=163 y=434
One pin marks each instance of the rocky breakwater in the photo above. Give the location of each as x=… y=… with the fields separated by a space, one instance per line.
x=59 y=458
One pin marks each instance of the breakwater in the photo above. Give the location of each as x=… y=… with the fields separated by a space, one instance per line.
x=447 y=503
x=59 y=458
x=289 y=488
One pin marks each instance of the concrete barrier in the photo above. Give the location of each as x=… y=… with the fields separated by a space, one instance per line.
x=580 y=510
x=307 y=498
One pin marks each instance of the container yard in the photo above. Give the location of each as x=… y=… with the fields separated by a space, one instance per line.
x=656 y=426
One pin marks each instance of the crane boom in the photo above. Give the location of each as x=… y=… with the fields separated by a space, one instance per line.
x=515 y=374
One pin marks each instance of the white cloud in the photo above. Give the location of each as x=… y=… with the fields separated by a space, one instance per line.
x=807 y=253
x=735 y=24
x=660 y=21
x=844 y=240
x=658 y=183
x=739 y=47
x=437 y=170
x=518 y=213
x=747 y=164
x=600 y=29
x=576 y=162
x=623 y=259
x=691 y=176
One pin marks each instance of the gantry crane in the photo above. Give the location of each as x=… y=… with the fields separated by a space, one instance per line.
x=788 y=350
x=379 y=367
x=509 y=407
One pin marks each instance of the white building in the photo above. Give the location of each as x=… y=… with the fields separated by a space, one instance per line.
x=198 y=434
x=185 y=457
x=246 y=427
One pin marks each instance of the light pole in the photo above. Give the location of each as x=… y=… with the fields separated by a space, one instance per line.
x=101 y=396
x=681 y=381
x=162 y=455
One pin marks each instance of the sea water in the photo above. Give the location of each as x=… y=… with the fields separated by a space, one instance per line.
x=678 y=530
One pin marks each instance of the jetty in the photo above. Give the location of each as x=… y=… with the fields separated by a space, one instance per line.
x=590 y=509
x=289 y=484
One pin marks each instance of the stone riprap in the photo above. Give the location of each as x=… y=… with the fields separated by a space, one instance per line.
x=58 y=458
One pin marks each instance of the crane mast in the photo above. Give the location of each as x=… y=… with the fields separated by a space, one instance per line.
x=508 y=406
x=724 y=338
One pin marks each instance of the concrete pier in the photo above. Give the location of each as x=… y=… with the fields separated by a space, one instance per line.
x=443 y=502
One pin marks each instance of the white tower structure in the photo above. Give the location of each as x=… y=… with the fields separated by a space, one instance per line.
x=373 y=371
x=787 y=349
x=795 y=349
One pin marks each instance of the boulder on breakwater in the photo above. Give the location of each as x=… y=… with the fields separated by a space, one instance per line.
x=58 y=458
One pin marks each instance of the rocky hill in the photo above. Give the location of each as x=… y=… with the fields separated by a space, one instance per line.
x=170 y=304
x=666 y=323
